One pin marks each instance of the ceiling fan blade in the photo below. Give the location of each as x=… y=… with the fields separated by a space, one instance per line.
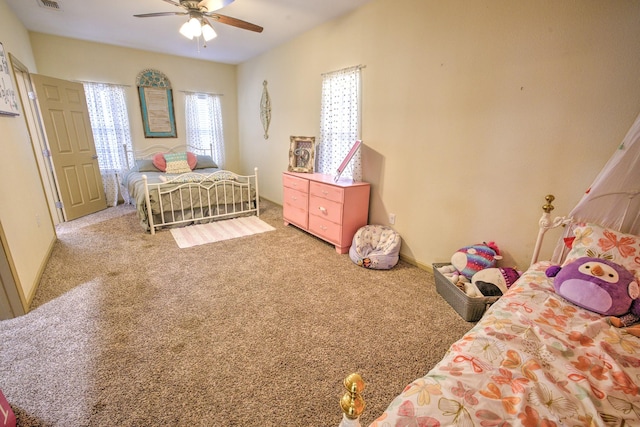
x=212 y=5
x=234 y=22
x=172 y=2
x=149 y=15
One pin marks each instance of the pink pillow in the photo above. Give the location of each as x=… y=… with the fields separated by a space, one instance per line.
x=160 y=162
x=192 y=160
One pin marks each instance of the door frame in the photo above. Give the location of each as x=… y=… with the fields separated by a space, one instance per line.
x=37 y=135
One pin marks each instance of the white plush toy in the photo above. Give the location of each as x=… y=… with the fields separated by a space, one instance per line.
x=492 y=282
x=451 y=273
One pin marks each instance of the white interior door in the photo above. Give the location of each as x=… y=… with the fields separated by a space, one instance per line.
x=68 y=129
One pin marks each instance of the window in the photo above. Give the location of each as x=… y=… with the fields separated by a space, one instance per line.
x=340 y=122
x=110 y=125
x=204 y=124
x=111 y=133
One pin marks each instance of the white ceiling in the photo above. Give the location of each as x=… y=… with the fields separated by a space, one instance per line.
x=112 y=22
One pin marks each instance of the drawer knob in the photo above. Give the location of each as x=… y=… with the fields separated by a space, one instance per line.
x=325 y=192
x=322 y=209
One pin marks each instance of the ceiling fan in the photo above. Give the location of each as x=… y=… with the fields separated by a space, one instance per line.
x=198 y=12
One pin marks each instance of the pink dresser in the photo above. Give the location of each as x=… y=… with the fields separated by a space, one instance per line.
x=329 y=210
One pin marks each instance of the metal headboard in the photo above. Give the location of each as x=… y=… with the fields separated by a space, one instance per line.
x=629 y=218
x=149 y=152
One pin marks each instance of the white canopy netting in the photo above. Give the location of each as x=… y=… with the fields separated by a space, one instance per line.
x=613 y=200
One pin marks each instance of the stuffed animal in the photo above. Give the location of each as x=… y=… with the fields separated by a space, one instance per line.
x=627 y=322
x=492 y=281
x=601 y=286
x=450 y=272
x=471 y=259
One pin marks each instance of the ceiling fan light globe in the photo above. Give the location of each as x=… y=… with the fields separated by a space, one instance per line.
x=208 y=33
x=212 y=5
x=185 y=30
x=195 y=26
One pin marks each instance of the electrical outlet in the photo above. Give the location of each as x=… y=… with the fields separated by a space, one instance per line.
x=38 y=219
x=392 y=218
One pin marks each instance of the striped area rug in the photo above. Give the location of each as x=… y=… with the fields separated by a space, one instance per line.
x=201 y=234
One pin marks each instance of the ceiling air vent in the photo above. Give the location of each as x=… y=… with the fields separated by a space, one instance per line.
x=49 y=4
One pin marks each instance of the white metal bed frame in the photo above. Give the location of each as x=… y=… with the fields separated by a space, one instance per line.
x=181 y=199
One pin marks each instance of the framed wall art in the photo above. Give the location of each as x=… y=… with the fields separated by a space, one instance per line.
x=156 y=104
x=8 y=96
x=302 y=154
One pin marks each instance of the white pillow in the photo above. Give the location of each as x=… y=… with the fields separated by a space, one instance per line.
x=595 y=241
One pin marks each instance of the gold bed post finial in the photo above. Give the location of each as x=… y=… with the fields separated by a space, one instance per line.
x=352 y=403
x=548 y=207
x=546 y=223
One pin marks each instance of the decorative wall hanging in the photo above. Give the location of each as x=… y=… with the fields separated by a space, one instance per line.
x=302 y=154
x=8 y=98
x=156 y=103
x=265 y=109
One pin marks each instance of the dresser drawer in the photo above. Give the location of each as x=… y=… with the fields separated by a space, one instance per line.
x=295 y=215
x=295 y=198
x=324 y=208
x=325 y=229
x=326 y=191
x=295 y=183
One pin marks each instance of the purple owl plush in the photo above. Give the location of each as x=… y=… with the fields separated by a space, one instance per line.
x=598 y=285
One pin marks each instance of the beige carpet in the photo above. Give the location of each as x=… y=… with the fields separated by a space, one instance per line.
x=129 y=330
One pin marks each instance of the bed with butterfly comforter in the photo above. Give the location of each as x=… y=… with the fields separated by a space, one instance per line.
x=535 y=359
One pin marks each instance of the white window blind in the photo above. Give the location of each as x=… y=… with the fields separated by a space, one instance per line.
x=111 y=133
x=204 y=124
x=110 y=124
x=340 y=122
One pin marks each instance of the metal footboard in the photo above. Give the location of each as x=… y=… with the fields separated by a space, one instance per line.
x=194 y=197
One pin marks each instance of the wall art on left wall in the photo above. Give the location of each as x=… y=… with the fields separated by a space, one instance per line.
x=8 y=96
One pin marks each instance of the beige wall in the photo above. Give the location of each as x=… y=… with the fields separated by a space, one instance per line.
x=472 y=111
x=24 y=214
x=72 y=59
